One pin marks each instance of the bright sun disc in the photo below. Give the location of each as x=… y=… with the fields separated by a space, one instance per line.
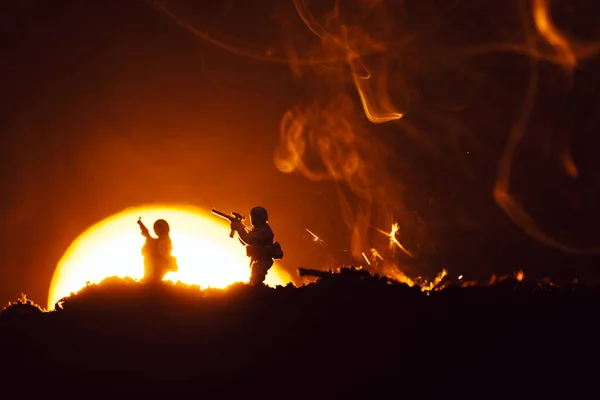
x=205 y=253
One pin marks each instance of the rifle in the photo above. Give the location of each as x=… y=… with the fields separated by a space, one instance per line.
x=314 y=272
x=145 y=231
x=233 y=217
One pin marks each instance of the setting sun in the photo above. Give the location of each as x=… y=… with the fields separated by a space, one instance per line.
x=205 y=253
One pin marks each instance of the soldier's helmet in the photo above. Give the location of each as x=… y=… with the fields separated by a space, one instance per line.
x=258 y=216
x=161 y=227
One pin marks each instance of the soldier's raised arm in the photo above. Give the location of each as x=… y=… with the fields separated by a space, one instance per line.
x=244 y=235
x=145 y=232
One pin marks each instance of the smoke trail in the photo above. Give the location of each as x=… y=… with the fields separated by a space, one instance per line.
x=331 y=129
x=353 y=48
x=544 y=41
x=345 y=152
x=561 y=52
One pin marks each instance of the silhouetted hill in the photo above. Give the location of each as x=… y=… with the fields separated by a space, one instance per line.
x=349 y=334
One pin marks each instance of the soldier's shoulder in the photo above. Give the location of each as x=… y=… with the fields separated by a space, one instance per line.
x=263 y=229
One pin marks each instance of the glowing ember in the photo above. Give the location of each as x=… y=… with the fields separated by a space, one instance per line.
x=435 y=283
x=394 y=239
x=315 y=237
x=519 y=275
x=424 y=284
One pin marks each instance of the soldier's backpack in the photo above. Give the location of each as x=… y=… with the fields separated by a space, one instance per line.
x=276 y=251
x=173 y=267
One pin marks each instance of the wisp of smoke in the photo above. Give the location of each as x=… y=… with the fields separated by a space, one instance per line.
x=351 y=47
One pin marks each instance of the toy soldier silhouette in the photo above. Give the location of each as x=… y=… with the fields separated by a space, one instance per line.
x=158 y=260
x=259 y=243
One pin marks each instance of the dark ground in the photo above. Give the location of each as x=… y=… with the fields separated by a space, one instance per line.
x=349 y=335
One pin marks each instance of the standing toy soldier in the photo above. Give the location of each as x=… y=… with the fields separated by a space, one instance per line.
x=258 y=241
x=158 y=260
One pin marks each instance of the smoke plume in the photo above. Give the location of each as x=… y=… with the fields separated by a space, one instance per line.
x=365 y=61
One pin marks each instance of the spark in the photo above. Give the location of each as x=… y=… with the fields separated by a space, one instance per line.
x=460 y=277
x=376 y=254
x=315 y=237
x=435 y=283
x=366 y=259
x=394 y=240
x=425 y=285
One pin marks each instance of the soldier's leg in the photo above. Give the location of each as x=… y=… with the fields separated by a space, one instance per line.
x=148 y=270
x=161 y=271
x=259 y=273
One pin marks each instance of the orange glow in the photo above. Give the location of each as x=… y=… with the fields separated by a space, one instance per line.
x=206 y=255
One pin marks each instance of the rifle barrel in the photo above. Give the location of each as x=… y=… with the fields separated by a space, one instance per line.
x=221 y=214
x=313 y=272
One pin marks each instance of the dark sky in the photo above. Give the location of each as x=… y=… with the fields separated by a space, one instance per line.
x=109 y=104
